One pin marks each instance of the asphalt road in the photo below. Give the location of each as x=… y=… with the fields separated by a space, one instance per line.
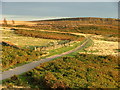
x=24 y=68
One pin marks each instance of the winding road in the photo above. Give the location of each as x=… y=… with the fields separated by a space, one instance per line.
x=24 y=68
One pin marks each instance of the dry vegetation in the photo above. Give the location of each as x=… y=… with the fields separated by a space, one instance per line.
x=12 y=56
x=98 y=26
x=76 y=72
x=49 y=35
x=22 y=41
x=96 y=68
x=18 y=22
x=14 y=53
x=103 y=48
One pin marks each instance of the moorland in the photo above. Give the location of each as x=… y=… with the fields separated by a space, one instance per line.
x=94 y=65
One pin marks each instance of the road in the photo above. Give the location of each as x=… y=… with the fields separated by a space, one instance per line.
x=24 y=68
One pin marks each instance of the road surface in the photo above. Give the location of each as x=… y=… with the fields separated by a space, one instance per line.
x=24 y=68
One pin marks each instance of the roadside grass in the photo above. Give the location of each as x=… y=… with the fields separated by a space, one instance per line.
x=89 y=43
x=65 y=49
x=20 y=64
x=51 y=53
x=54 y=52
x=90 y=68
x=58 y=51
x=11 y=36
x=16 y=65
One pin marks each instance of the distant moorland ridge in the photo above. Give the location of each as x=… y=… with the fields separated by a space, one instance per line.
x=80 y=18
x=87 y=25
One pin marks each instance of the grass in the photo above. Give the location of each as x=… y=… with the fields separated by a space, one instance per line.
x=19 y=64
x=54 y=52
x=92 y=51
x=65 y=49
x=117 y=50
x=47 y=35
x=12 y=57
x=23 y=41
x=9 y=35
x=51 y=53
x=58 y=51
x=80 y=71
x=90 y=43
x=113 y=39
x=80 y=26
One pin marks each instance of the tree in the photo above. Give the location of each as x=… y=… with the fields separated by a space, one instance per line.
x=5 y=21
x=13 y=22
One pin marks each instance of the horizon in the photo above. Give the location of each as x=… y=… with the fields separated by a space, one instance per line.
x=55 y=18
x=27 y=11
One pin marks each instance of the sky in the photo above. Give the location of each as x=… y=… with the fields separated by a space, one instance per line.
x=50 y=10
x=60 y=0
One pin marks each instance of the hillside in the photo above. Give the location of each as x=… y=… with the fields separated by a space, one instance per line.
x=93 y=65
x=78 y=71
x=98 y=26
x=23 y=46
x=90 y=20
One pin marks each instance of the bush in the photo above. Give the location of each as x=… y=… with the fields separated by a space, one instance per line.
x=12 y=56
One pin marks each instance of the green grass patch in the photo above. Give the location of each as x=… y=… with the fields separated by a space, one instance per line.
x=89 y=43
x=117 y=50
x=64 y=49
